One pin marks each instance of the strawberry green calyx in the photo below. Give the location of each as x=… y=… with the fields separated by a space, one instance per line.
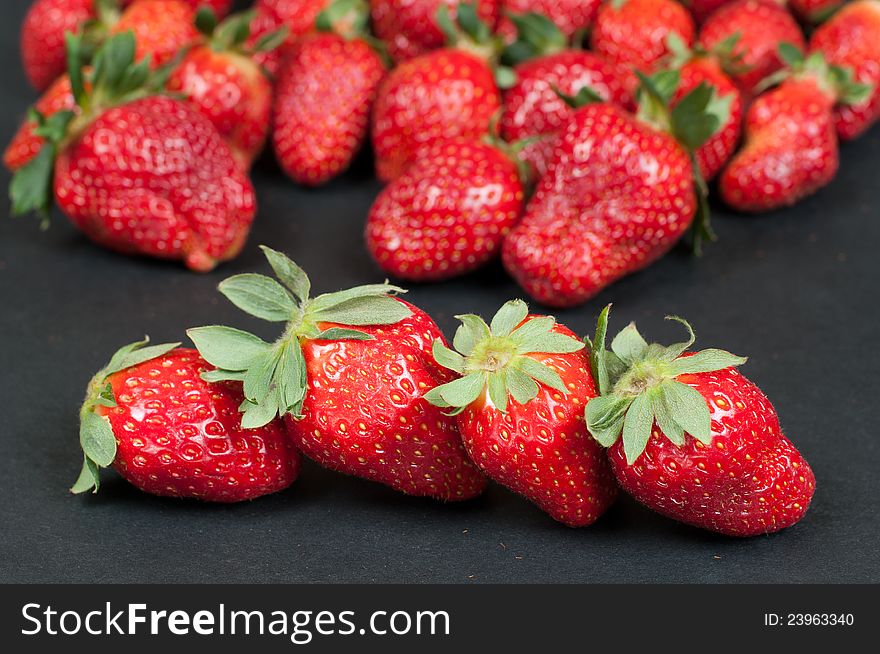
x=469 y=33
x=638 y=386
x=350 y=19
x=537 y=36
x=494 y=358
x=232 y=34
x=724 y=52
x=274 y=374
x=95 y=435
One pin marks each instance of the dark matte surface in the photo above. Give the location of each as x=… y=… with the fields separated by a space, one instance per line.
x=797 y=291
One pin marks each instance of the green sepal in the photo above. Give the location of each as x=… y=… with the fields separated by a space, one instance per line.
x=228 y=348
x=260 y=296
x=135 y=354
x=537 y=36
x=206 y=21
x=291 y=275
x=449 y=359
x=89 y=478
x=348 y=18
x=233 y=33
x=583 y=97
x=699 y=115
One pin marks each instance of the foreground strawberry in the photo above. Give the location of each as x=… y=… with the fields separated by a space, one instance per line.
x=524 y=382
x=150 y=414
x=751 y=30
x=324 y=94
x=349 y=376
x=851 y=38
x=446 y=93
x=448 y=214
x=693 y=439
x=634 y=33
x=571 y=17
x=410 y=29
x=618 y=194
x=222 y=82
x=791 y=148
x=138 y=173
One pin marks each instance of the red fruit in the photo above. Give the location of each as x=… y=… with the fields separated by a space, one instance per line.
x=350 y=377
x=815 y=11
x=720 y=147
x=761 y=25
x=700 y=443
x=42 y=37
x=702 y=9
x=447 y=214
x=410 y=29
x=167 y=431
x=323 y=97
x=532 y=106
x=570 y=16
x=162 y=28
x=635 y=32
x=790 y=148
x=298 y=16
x=851 y=38
x=524 y=384
x=443 y=94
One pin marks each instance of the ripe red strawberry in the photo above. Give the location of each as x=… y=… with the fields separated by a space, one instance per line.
x=702 y=9
x=222 y=82
x=297 y=16
x=446 y=93
x=634 y=32
x=448 y=214
x=42 y=37
x=619 y=192
x=851 y=38
x=791 y=148
x=151 y=415
x=138 y=173
x=815 y=11
x=570 y=16
x=350 y=376
x=524 y=382
x=323 y=98
x=758 y=27
x=692 y=439
x=410 y=29
x=162 y=28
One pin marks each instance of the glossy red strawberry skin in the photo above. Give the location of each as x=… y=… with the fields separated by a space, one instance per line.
x=533 y=108
x=162 y=28
x=409 y=29
x=635 y=34
x=323 y=97
x=220 y=7
x=762 y=25
x=851 y=38
x=298 y=16
x=542 y=450
x=42 y=37
x=154 y=177
x=447 y=214
x=617 y=196
x=447 y=93
x=790 y=149
x=750 y=480
x=25 y=145
x=365 y=414
x=570 y=16
x=231 y=91
x=719 y=148
x=179 y=436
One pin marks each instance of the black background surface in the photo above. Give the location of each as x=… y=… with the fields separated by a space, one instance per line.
x=796 y=291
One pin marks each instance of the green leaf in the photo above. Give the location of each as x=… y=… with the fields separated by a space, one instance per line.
x=233 y=31
x=699 y=115
x=367 y=310
x=447 y=358
x=498 y=390
x=688 y=408
x=523 y=388
x=272 y=40
x=665 y=82
x=226 y=347
x=582 y=98
x=96 y=438
x=597 y=353
x=31 y=189
x=677 y=349
x=790 y=54
x=629 y=344
x=255 y=416
x=291 y=378
x=471 y=24
x=219 y=375
x=111 y=62
x=637 y=427
x=462 y=391
x=259 y=378
x=331 y=300
x=473 y=329
x=53 y=128
x=667 y=424
x=445 y=24
x=531 y=335
x=206 y=21
x=73 y=47
x=537 y=34
x=342 y=334
x=510 y=315
x=134 y=354
x=89 y=478
x=291 y=275
x=541 y=372
x=604 y=416
x=706 y=361
x=259 y=296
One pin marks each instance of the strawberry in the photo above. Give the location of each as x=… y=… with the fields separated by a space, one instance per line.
x=448 y=213
x=150 y=414
x=298 y=17
x=410 y=29
x=750 y=31
x=634 y=32
x=42 y=37
x=619 y=192
x=791 y=148
x=692 y=439
x=519 y=399
x=323 y=97
x=851 y=38
x=702 y=9
x=571 y=17
x=138 y=173
x=222 y=82
x=162 y=28
x=815 y=11
x=446 y=93
x=349 y=375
